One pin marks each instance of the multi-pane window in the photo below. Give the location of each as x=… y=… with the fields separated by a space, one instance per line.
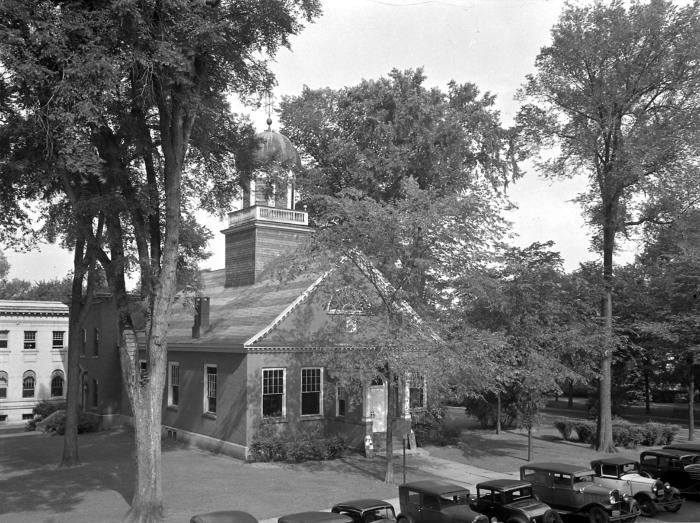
x=273 y=399
x=416 y=392
x=143 y=369
x=29 y=340
x=3 y=384
x=95 y=394
x=57 y=384
x=310 y=391
x=96 y=339
x=28 y=384
x=174 y=375
x=3 y=339
x=57 y=340
x=210 y=389
x=340 y=404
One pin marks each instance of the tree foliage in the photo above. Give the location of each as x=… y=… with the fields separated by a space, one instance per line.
x=615 y=98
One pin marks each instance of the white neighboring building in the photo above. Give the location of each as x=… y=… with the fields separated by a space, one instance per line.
x=33 y=356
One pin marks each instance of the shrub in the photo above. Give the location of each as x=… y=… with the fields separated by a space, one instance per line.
x=565 y=428
x=268 y=445
x=43 y=410
x=56 y=423
x=585 y=430
x=485 y=409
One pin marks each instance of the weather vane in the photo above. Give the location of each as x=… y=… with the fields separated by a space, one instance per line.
x=268 y=102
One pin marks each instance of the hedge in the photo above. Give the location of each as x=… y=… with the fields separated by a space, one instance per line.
x=625 y=433
x=302 y=446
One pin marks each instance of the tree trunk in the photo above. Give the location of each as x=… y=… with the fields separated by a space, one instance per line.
x=498 y=412
x=571 y=394
x=604 y=440
x=691 y=401
x=389 y=476
x=647 y=390
x=529 y=443
x=70 y=456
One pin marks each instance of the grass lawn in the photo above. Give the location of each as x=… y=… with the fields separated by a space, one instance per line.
x=34 y=489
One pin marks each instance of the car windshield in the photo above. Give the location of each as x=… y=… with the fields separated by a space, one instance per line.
x=461 y=497
x=585 y=478
x=521 y=493
x=378 y=513
x=629 y=468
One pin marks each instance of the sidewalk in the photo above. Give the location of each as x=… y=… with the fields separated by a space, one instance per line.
x=451 y=471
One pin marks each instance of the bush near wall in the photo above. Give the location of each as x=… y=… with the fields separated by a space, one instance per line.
x=54 y=417
x=268 y=445
x=625 y=434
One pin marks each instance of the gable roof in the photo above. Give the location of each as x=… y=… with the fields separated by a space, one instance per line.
x=236 y=314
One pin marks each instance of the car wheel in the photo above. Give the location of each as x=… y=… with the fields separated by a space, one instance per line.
x=675 y=507
x=598 y=515
x=647 y=507
x=551 y=516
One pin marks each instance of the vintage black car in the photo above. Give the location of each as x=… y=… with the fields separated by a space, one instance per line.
x=679 y=468
x=224 y=516
x=571 y=489
x=366 y=510
x=436 y=501
x=512 y=501
x=623 y=474
x=315 y=516
x=693 y=448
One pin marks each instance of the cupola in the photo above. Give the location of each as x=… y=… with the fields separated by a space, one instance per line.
x=268 y=225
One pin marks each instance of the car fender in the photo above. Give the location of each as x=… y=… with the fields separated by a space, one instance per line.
x=404 y=518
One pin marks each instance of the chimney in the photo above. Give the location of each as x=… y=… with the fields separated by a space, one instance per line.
x=201 y=316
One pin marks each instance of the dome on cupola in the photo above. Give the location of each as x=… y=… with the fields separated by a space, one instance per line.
x=275 y=147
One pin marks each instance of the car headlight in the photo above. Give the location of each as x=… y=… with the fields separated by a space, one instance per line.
x=667 y=486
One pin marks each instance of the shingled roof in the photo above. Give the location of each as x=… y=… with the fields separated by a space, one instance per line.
x=236 y=314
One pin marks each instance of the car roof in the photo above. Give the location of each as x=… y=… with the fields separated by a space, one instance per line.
x=315 y=517
x=613 y=460
x=670 y=453
x=362 y=504
x=504 y=484
x=434 y=487
x=562 y=468
x=688 y=447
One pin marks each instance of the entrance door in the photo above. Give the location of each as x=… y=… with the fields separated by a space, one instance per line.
x=377 y=405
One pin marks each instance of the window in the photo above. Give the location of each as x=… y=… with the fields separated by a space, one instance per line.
x=310 y=391
x=84 y=342
x=96 y=346
x=174 y=389
x=3 y=339
x=95 y=394
x=57 y=384
x=210 y=389
x=3 y=384
x=29 y=340
x=143 y=369
x=28 y=384
x=273 y=397
x=416 y=392
x=57 y=342
x=340 y=402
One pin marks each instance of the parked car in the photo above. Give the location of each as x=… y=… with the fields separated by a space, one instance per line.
x=366 y=510
x=686 y=447
x=680 y=468
x=571 y=489
x=512 y=501
x=224 y=516
x=315 y=516
x=651 y=494
x=436 y=502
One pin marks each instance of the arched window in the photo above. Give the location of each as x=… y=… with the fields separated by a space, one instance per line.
x=57 y=382
x=3 y=384
x=28 y=384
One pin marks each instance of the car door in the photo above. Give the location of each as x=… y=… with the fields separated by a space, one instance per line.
x=563 y=493
x=540 y=483
x=649 y=463
x=430 y=510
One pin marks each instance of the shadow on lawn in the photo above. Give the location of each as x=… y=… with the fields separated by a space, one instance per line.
x=32 y=479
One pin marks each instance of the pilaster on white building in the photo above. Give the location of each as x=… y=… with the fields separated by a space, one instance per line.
x=33 y=356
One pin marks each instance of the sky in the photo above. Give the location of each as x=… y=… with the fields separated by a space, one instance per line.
x=491 y=43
